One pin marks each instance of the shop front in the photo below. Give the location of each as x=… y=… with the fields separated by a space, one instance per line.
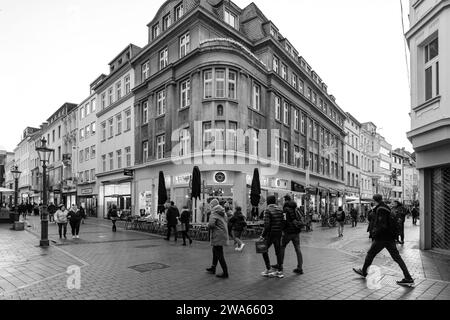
x=118 y=194
x=87 y=198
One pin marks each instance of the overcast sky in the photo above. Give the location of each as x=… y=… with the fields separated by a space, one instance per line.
x=51 y=50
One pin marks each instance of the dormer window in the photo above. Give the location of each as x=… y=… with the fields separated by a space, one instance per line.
x=156 y=31
x=230 y=18
x=167 y=22
x=273 y=32
x=119 y=62
x=179 y=12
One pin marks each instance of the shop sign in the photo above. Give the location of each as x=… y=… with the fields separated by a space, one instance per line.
x=128 y=172
x=86 y=191
x=220 y=177
x=297 y=187
x=279 y=183
x=182 y=179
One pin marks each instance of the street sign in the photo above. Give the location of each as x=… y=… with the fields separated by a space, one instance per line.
x=128 y=172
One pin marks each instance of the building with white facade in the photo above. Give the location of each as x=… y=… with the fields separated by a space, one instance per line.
x=352 y=156
x=429 y=43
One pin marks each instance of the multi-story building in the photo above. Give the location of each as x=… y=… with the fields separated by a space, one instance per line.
x=36 y=167
x=5 y=158
x=352 y=156
x=22 y=158
x=9 y=180
x=376 y=163
x=397 y=182
x=212 y=71
x=429 y=44
x=115 y=135
x=86 y=157
x=404 y=177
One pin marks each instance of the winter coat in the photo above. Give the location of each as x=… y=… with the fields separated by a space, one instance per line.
x=61 y=216
x=340 y=216
x=218 y=226
x=354 y=214
x=75 y=216
x=172 y=216
x=400 y=214
x=51 y=209
x=415 y=212
x=185 y=218
x=113 y=214
x=293 y=222
x=237 y=221
x=384 y=227
x=273 y=221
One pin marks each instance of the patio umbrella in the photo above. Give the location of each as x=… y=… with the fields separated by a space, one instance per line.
x=162 y=192
x=255 y=193
x=196 y=190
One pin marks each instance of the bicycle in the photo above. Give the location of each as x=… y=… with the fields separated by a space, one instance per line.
x=331 y=221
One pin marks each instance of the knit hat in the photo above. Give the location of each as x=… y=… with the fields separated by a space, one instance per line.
x=214 y=203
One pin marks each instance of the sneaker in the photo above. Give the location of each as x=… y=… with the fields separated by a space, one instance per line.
x=406 y=282
x=211 y=270
x=73 y=237
x=298 y=271
x=241 y=247
x=277 y=274
x=360 y=272
x=265 y=273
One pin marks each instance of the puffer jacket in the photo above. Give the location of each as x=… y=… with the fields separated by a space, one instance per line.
x=273 y=221
x=61 y=216
x=218 y=226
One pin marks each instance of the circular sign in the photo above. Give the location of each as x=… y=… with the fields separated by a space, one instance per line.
x=220 y=177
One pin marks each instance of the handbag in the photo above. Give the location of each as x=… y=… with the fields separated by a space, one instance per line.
x=261 y=246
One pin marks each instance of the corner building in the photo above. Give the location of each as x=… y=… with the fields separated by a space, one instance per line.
x=219 y=87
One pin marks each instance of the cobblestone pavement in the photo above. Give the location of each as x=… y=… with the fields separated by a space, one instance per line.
x=133 y=265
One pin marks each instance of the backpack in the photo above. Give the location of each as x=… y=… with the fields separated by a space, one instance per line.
x=298 y=222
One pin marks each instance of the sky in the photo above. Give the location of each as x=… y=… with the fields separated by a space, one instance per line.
x=51 y=50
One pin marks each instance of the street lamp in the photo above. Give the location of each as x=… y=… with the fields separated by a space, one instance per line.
x=44 y=156
x=16 y=175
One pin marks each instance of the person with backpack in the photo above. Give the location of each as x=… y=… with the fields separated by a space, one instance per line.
x=384 y=233
x=340 y=219
x=237 y=224
x=291 y=232
x=172 y=220
x=185 y=219
x=113 y=215
x=74 y=216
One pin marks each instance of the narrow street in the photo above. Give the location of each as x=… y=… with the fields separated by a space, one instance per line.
x=135 y=265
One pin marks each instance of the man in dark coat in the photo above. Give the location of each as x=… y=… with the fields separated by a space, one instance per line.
x=400 y=215
x=51 y=211
x=384 y=233
x=415 y=215
x=291 y=232
x=172 y=220
x=354 y=215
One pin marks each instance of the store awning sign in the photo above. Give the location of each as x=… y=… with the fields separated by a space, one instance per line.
x=128 y=172
x=297 y=187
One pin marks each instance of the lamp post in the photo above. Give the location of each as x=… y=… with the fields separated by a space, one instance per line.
x=44 y=156
x=16 y=175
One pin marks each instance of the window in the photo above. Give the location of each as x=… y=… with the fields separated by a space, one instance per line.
x=185 y=42
x=167 y=22
x=208 y=84
x=93 y=152
x=179 y=11
x=185 y=94
x=160 y=147
x=161 y=104
x=311 y=161
x=104 y=163
x=92 y=174
x=145 y=112
x=81 y=156
x=81 y=114
x=273 y=32
x=302 y=158
x=256 y=97
x=296 y=119
x=87 y=155
x=315 y=98
x=278 y=108
x=119 y=123
x=144 y=151
x=81 y=134
x=156 y=31
x=103 y=128
x=111 y=127
x=127 y=120
x=297 y=156
x=163 y=58
x=86 y=176
x=87 y=131
x=284 y=72
x=127 y=85
x=316 y=131
x=185 y=142
x=59 y=153
x=275 y=64
x=128 y=156
x=285 y=158
x=145 y=70
x=207 y=136
x=93 y=128
x=232 y=136
x=301 y=86
x=220 y=83
x=103 y=100
x=277 y=150
x=59 y=132
x=286 y=113
x=110 y=96
x=53 y=135
x=230 y=18
x=118 y=90
x=119 y=159
x=93 y=105
x=309 y=93
x=294 y=81
x=220 y=135
x=111 y=161
x=231 y=85
x=303 y=124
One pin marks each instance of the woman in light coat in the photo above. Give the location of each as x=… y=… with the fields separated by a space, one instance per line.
x=61 y=220
x=218 y=226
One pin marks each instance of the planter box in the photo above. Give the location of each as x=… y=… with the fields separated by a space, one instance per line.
x=19 y=226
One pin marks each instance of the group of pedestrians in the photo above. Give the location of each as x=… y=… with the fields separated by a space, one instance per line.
x=73 y=216
x=178 y=222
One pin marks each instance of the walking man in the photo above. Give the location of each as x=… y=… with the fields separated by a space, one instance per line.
x=172 y=220
x=384 y=233
x=354 y=215
x=415 y=215
x=400 y=214
x=291 y=232
x=273 y=228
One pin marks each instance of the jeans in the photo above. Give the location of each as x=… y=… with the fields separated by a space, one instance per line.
x=114 y=228
x=219 y=257
x=377 y=246
x=236 y=235
x=185 y=234
x=276 y=241
x=75 y=226
x=60 y=229
x=354 y=222
x=169 y=229
x=295 y=238
x=341 y=228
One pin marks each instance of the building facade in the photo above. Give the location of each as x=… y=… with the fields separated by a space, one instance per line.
x=219 y=87
x=352 y=157
x=5 y=166
x=429 y=44
x=115 y=136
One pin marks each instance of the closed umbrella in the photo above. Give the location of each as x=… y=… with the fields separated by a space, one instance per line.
x=162 y=192
x=196 y=190
x=255 y=193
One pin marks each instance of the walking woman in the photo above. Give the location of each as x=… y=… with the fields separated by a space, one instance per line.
x=113 y=216
x=237 y=224
x=61 y=220
x=185 y=219
x=75 y=217
x=219 y=237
